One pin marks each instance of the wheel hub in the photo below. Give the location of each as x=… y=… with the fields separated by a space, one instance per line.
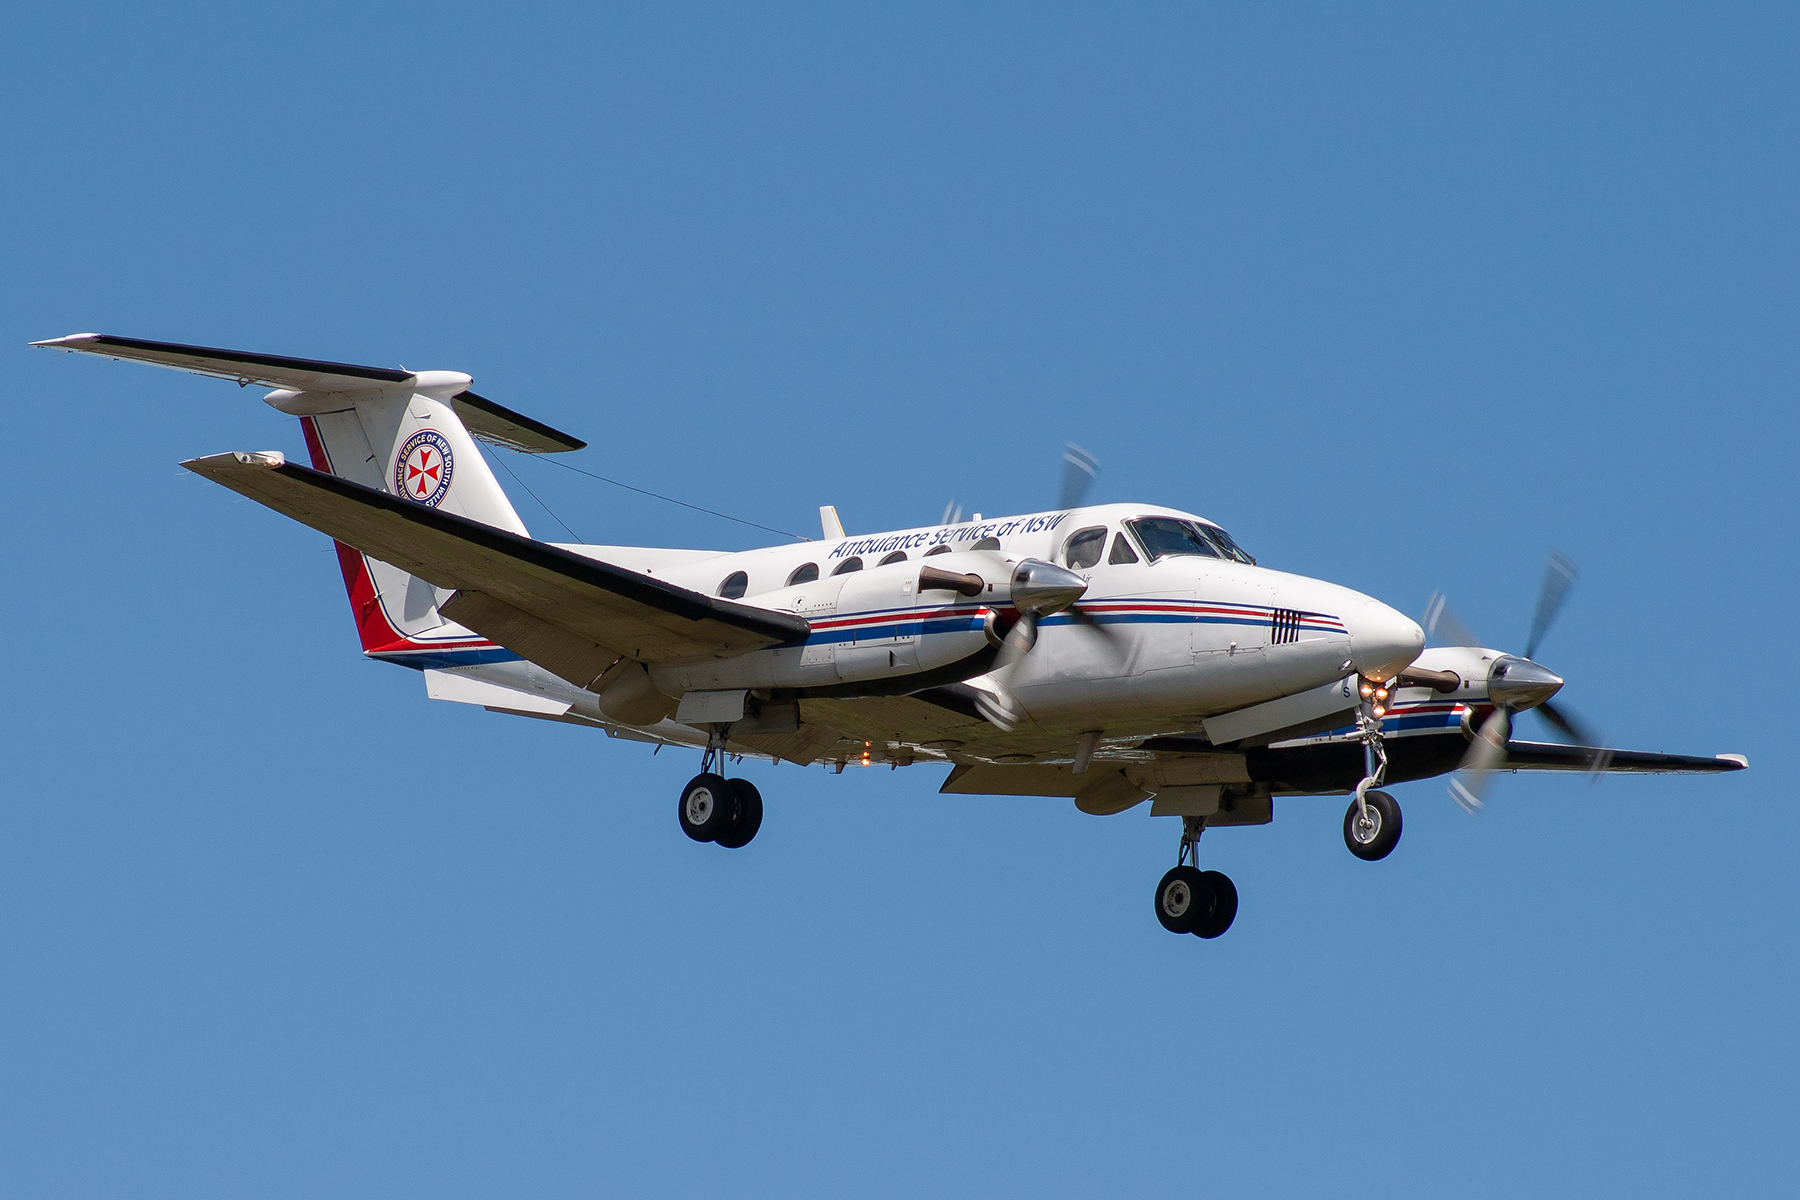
x=699 y=806
x=1177 y=898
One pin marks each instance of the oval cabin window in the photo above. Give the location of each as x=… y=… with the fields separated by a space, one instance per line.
x=1084 y=547
x=847 y=566
x=896 y=556
x=804 y=573
x=937 y=550
x=735 y=585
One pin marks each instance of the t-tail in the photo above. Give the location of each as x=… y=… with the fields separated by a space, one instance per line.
x=408 y=433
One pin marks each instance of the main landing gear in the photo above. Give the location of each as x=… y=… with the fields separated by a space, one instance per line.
x=1372 y=822
x=1189 y=900
x=716 y=809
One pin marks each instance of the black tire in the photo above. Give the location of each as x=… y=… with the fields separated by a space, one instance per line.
x=1183 y=899
x=1225 y=902
x=1378 y=842
x=706 y=807
x=749 y=809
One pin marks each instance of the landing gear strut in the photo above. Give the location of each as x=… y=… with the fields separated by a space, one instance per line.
x=1189 y=900
x=1372 y=823
x=716 y=809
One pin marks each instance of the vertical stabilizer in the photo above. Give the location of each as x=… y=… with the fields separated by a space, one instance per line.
x=404 y=432
x=413 y=446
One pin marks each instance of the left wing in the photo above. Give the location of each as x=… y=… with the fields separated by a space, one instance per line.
x=530 y=593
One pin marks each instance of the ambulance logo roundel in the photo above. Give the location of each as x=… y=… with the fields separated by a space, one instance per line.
x=422 y=470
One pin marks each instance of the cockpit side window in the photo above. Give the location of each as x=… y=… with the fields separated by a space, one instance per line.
x=804 y=573
x=1166 y=537
x=734 y=585
x=1083 y=548
x=1121 y=551
x=847 y=566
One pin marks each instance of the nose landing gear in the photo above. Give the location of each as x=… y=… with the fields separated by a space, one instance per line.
x=1372 y=823
x=1189 y=900
x=716 y=809
x=1372 y=826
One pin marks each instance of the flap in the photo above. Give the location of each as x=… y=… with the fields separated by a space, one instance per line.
x=637 y=615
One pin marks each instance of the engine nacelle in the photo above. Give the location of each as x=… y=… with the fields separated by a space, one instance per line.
x=869 y=626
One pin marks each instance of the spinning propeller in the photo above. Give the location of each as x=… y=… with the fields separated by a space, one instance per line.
x=1039 y=589
x=1515 y=684
x=1079 y=469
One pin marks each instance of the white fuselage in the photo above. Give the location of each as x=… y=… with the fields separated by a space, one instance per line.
x=1152 y=644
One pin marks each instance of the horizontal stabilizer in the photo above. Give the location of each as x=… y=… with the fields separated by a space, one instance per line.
x=502 y=426
x=637 y=615
x=485 y=419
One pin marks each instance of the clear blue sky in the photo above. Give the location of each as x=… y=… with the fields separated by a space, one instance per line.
x=1404 y=299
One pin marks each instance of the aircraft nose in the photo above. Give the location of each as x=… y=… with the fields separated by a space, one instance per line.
x=1383 y=641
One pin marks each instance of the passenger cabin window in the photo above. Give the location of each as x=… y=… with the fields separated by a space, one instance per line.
x=896 y=556
x=847 y=566
x=937 y=550
x=804 y=573
x=1083 y=549
x=1121 y=551
x=735 y=585
x=986 y=544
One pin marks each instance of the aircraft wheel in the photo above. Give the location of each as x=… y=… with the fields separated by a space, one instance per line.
x=1377 y=837
x=706 y=807
x=1225 y=902
x=747 y=808
x=1184 y=898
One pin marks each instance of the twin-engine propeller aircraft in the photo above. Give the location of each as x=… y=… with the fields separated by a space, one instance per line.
x=1111 y=654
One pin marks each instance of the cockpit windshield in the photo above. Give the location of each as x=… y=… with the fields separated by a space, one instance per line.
x=1231 y=548
x=1168 y=537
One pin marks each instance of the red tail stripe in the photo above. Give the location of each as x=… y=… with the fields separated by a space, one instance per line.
x=373 y=628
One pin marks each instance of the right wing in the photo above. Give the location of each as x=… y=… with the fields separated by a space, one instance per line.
x=568 y=613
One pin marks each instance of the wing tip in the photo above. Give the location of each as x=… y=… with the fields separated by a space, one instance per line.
x=69 y=342
x=1738 y=761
